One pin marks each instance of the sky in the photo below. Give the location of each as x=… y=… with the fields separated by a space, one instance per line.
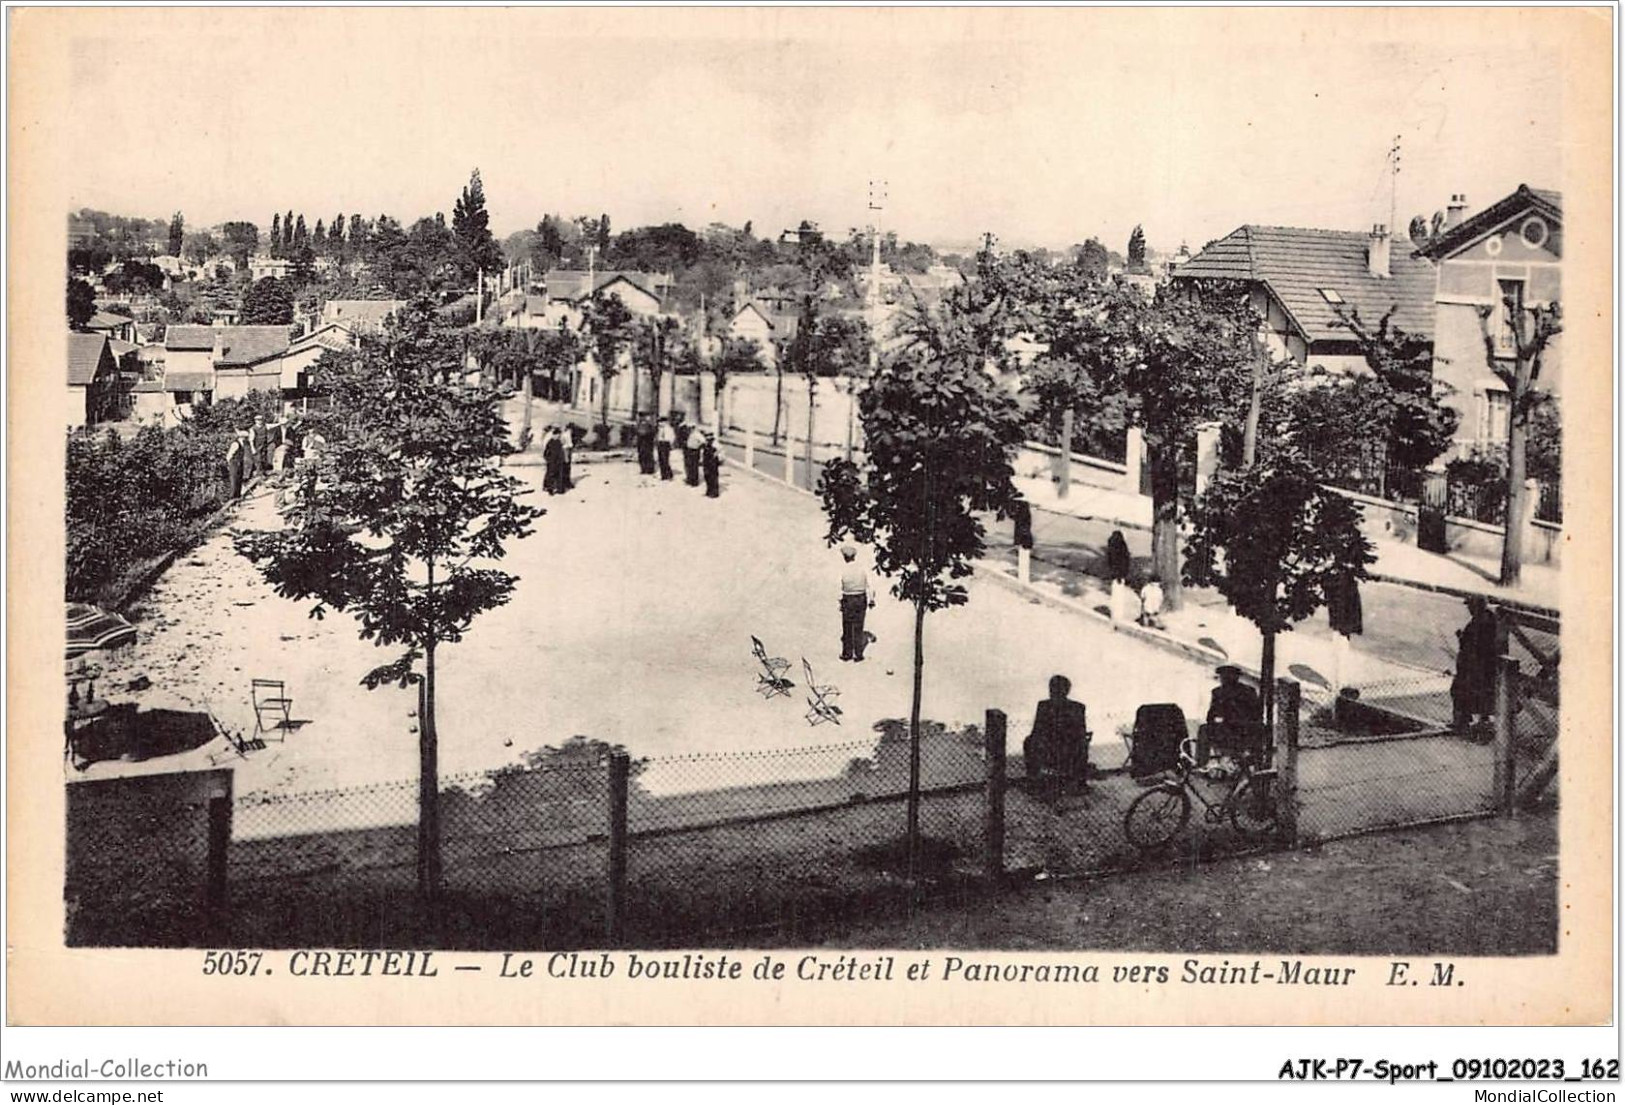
x=1044 y=127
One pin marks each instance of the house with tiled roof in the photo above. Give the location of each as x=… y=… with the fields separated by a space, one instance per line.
x=113 y=325
x=1510 y=251
x=361 y=315
x=93 y=382
x=1301 y=277
x=574 y=285
x=248 y=358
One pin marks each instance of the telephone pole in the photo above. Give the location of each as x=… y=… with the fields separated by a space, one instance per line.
x=877 y=203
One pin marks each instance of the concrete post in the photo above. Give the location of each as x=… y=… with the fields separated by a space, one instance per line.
x=1066 y=453
x=1506 y=707
x=993 y=836
x=1288 y=708
x=615 y=905
x=708 y=397
x=1024 y=565
x=1133 y=459
x=1531 y=509
x=789 y=459
x=750 y=449
x=1207 y=454
x=664 y=398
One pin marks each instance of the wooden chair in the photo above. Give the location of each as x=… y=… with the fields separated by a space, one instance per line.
x=770 y=680
x=819 y=707
x=270 y=701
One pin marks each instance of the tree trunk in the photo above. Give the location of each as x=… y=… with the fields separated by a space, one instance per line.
x=778 y=401
x=1266 y=679
x=428 y=785
x=1517 y=466
x=851 y=416
x=603 y=418
x=812 y=402
x=636 y=374
x=913 y=839
x=1165 y=523
x=1249 y=441
x=530 y=393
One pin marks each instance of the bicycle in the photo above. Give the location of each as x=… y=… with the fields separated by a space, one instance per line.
x=1158 y=815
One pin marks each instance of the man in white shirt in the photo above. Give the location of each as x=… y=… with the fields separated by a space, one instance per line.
x=855 y=601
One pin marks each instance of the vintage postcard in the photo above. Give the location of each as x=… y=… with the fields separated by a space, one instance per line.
x=812 y=516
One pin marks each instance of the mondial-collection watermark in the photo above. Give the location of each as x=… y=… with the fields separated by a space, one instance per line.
x=113 y=1070
x=1544 y=1097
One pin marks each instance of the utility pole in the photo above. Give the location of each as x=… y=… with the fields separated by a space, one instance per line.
x=877 y=203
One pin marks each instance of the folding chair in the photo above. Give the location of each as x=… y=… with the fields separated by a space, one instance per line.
x=270 y=701
x=770 y=681
x=819 y=707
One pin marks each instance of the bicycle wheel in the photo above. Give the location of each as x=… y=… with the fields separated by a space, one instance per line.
x=1252 y=807
x=1156 y=817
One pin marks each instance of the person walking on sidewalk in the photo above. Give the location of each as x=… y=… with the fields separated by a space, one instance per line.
x=665 y=440
x=856 y=601
x=553 y=462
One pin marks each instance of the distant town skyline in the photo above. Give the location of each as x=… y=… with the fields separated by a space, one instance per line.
x=1044 y=128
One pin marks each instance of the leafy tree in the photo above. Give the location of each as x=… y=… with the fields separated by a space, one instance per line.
x=736 y=355
x=241 y=240
x=276 y=235
x=1416 y=425
x=1092 y=258
x=177 y=234
x=402 y=519
x=1529 y=331
x=549 y=243
x=91 y=258
x=268 y=302
x=608 y=323
x=1136 y=249
x=300 y=239
x=940 y=432
x=81 y=303
x=318 y=237
x=602 y=240
x=135 y=278
x=358 y=232
x=1275 y=543
x=471 y=225
x=303 y=270
x=287 y=232
x=200 y=247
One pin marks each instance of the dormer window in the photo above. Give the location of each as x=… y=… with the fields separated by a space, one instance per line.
x=1330 y=295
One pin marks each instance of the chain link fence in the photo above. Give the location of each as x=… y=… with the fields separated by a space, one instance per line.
x=586 y=846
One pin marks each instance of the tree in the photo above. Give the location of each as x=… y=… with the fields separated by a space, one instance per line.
x=400 y=521
x=299 y=235
x=81 y=303
x=1276 y=543
x=1136 y=249
x=1177 y=362
x=242 y=239
x=358 y=232
x=940 y=432
x=609 y=323
x=602 y=240
x=736 y=355
x=318 y=237
x=1091 y=257
x=276 y=235
x=1515 y=356
x=471 y=226
x=303 y=270
x=268 y=302
x=177 y=234
x=287 y=232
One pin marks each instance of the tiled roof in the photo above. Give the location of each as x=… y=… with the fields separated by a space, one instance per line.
x=331 y=336
x=145 y=386
x=189 y=339
x=245 y=345
x=188 y=381
x=571 y=284
x=1543 y=200
x=1296 y=263
x=85 y=357
x=373 y=311
x=107 y=320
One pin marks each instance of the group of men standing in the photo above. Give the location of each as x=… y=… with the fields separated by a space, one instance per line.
x=558 y=450
x=701 y=458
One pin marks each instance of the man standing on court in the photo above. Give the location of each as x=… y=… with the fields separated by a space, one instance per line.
x=855 y=601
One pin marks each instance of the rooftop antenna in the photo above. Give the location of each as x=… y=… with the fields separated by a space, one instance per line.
x=1393 y=184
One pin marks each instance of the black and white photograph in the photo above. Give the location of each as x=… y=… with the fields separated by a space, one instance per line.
x=645 y=488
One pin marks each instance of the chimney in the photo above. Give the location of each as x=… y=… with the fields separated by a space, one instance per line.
x=1377 y=252
x=1455 y=210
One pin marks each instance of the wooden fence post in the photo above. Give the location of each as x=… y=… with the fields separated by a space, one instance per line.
x=1288 y=708
x=993 y=837
x=619 y=770
x=1506 y=707
x=217 y=898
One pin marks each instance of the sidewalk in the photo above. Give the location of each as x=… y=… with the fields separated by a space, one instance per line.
x=1397 y=562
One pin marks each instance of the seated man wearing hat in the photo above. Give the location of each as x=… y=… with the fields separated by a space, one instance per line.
x=1234 y=715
